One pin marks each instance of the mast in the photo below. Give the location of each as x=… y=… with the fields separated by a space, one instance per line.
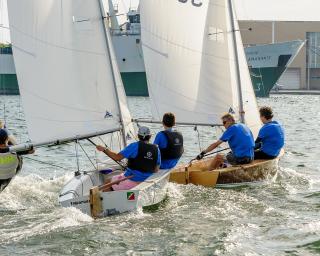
x=113 y=70
x=238 y=78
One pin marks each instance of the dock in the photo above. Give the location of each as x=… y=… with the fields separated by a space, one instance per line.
x=296 y=92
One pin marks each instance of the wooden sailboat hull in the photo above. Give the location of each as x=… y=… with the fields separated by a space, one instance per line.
x=198 y=173
x=78 y=193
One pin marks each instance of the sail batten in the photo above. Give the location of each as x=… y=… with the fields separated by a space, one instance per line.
x=67 y=84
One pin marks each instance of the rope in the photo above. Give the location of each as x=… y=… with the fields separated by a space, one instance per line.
x=118 y=162
x=46 y=163
x=77 y=156
x=198 y=135
x=95 y=167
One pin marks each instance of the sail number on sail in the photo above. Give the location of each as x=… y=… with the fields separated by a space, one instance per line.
x=196 y=3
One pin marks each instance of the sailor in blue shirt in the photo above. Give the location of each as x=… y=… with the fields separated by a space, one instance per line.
x=143 y=157
x=240 y=140
x=271 y=136
x=170 y=143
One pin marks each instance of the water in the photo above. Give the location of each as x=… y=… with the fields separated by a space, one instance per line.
x=279 y=217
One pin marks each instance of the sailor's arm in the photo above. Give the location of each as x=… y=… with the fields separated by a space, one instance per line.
x=109 y=153
x=212 y=146
x=209 y=149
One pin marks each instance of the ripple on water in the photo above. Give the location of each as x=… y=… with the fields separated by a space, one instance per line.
x=278 y=217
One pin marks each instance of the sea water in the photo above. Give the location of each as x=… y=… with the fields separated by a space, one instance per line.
x=276 y=217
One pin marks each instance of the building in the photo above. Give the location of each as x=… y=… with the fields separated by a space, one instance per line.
x=285 y=20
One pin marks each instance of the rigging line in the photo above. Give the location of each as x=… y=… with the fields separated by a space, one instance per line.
x=133 y=135
x=46 y=163
x=77 y=156
x=111 y=140
x=119 y=139
x=118 y=162
x=95 y=167
x=103 y=141
x=198 y=135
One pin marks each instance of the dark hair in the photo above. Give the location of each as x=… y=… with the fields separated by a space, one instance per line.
x=144 y=138
x=169 y=119
x=266 y=112
x=3 y=136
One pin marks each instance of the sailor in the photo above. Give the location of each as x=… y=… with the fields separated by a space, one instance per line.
x=144 y=159
x=240 y=140
x=170 y=142
x=10 y=163
x=12 y=139
x=271 y=136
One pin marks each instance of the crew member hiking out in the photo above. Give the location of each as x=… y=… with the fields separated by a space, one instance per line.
x=170 y=142
x=240 y=140
x=270 y=139
x=143 y=160
x=10 y=163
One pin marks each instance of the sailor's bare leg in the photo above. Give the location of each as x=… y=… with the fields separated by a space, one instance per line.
x=216 y=162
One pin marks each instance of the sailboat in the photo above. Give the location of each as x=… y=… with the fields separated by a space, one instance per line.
x=71 y=90
x=199 y=74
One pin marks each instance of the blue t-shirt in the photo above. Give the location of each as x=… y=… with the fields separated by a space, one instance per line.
x=162 y=142
x=240 y=140
x=272 y=138
x=131 y=151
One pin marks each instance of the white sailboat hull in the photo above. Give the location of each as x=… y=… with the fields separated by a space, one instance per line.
x=76 y=193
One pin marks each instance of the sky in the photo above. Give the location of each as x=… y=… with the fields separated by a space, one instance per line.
x=124 y=6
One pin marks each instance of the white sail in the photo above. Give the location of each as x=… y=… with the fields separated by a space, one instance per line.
x=249 y=101
x=125 y=113
x=190 y=60
x=63 y=67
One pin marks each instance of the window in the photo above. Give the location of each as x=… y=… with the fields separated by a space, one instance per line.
x=313 y=49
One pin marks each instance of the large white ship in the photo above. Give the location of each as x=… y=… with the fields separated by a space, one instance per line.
x=266 y=62
x=128 y=49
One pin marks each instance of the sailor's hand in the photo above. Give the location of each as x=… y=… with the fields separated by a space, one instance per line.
x=201 y=155
x=100 y=148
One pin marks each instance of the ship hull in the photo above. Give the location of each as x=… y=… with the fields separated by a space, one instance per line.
x=9 y=84
x=135 y=83
x=264 y=79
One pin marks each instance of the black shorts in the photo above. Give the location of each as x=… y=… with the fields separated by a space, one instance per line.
x=261 y=155
x=233 y=160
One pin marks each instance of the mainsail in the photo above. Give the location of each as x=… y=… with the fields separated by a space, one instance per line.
x=191 y=63
x=68 y=86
